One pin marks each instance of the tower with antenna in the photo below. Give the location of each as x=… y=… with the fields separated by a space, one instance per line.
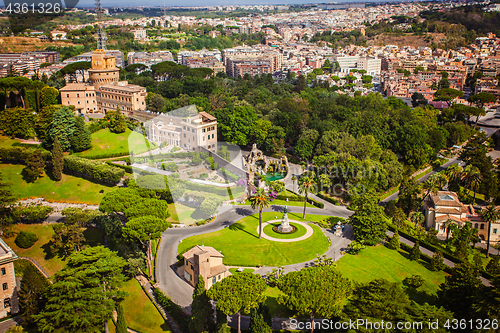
x=101 y=39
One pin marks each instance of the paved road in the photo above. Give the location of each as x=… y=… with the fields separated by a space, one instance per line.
x=5 y=325
x=178 y=289
x=424 y=178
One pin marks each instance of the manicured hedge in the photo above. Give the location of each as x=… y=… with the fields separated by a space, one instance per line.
x=103 y=155
x=228 y=175
x=173 y=309
x=127 y=168
x=327 y=198
x=21 y=154
x=25 y=239
x=93 y=169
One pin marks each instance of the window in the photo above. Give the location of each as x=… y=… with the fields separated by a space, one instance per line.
x=495 y=231
x=208 y=137
x=203 y=130
x=219 y=277
x=192 y=268
x=67 y=95
x=5 y=286
x=212 y=136
x=482 y=226
x=6 y=303
x=476 y=225
x=214 y=280
x=77 y=95
x=3 y=271
x=203 y=138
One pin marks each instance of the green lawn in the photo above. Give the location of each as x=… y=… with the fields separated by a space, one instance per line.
x=140 y=313
x=69 y=189
x=106 y=142
x=40 y=251
x=182 y=214
x=241 y=245
x=301 y=231
x=380 y=262
x=5 y=141
x=246 y=270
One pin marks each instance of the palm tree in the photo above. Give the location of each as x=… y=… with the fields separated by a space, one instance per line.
x=440 y=179
x=472 y=177
x=453 y=172
x=325 y=181
x=449 y=225
x=294 y=178
x=429 y=186
x=490 y=215
x=307 y=185
x=260 y=200
x=417 y=218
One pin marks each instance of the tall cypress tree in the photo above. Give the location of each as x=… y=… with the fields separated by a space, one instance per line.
x=32 y=293
x=57 y=160
x=81 y=137
x=415 y=252
x=62 y=127
x=121 y=322
x=201 y=309
x=258 y=322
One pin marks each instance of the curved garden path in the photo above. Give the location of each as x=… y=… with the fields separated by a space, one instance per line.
x=309 y=232
x=181 y=292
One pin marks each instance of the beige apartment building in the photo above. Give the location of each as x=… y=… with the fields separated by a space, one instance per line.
x=82 y=96
x=205 y=261
x=8 y=292
x=128 y=97
x=199 y=131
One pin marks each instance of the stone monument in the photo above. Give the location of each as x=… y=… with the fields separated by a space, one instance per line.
x=285 y=226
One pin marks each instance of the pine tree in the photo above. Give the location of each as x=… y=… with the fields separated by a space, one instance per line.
x=117 y=123
x=57 y=160
x=81 y=137
x=121 y=322
x=32 y=292
x=394 y=243
x=415 y=252
x=201 y=309
x=437 y=261
x=34 y=166
x=62 y=127
x=493 y=266
x=258 y=323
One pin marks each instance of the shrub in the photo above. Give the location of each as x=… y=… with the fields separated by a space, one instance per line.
x=437 y=261
x=415 y=252
x=493 y=266
x=26 y=239
x=394 y=243
x=355 y=247
x=93 y=169
x=414 y=281
x=204 y=175
x=173 y=309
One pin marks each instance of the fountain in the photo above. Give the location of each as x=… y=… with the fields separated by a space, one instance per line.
x=285 y=226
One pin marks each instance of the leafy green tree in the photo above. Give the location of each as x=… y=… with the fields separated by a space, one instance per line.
x=368 y=221
x=304 y=292
x=57 y=160
x=472 y=178
x=145 y=229
x=437 y=261
x=307 y=185
x=447 y=95
x=62 y=127
x=121 y=322
x=43 y=119
x=17 y=122
x=378 y=300
x=84 y=292
x=490 y=215
x=6 y=201
x=460 y=289
x=488 y=302
x=201 y=309
x=236 y=293
x=48 y=96
x=415 y=252
x=415 y=281
x=394 y=243
x=259 y=201
x=81 y=137
x=493 y=266
x=305 y=145
x=209 y=206
x=418 y=99
x=258 y=322
x=35 y=164
x=32 y=293
x=117 y=122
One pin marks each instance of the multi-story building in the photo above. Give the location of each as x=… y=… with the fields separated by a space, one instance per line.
x=103 y=69
x=149 y=58
x=80 y=95
x=139 y=34
x=190 y=133
x=8 y=293
x=204 y=261
x=127 y=97
x=251 y=60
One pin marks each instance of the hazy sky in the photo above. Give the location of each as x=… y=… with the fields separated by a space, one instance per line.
x=110 y=3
